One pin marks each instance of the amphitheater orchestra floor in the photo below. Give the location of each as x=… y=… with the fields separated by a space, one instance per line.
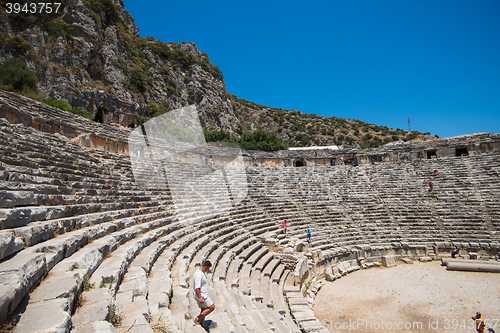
x=420 y=297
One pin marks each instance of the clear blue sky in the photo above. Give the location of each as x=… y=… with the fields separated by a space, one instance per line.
x=377 y=61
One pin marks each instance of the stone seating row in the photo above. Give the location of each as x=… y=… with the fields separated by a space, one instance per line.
x=423 y=212
x=27 y=147
x=131 y=249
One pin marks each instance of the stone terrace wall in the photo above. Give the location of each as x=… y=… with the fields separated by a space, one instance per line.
x=18 y=109
x=21 y=110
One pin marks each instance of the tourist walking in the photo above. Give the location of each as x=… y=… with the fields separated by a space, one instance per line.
x=200 y=293
x=479 y=321
x=155 y=173
x=309 y=236
x=431 y=186
x=284 y=227
x=138 y=152
x=455 y=253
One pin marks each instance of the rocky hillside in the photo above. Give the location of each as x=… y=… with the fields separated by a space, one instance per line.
x=90 y=55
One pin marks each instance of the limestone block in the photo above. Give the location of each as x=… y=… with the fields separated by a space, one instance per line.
x=329 y=274
x=310 y=326
x=73 y=241
x=89 y=313
x=304 y=315
x=9 y=244
x=288 y=289
x=49 y=316
x=388 y=261
x=484 y=246
x=6 y=295
x=18 y=275
x=88 y=260
x=195 y=329
x=352 y=269
x=297 y=301
x=299 y=308
x=66 y=287
x=135 y=280
x=103 y=327
x=98 y=231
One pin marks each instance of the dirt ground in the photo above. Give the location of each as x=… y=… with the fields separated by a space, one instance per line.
x=418 y=297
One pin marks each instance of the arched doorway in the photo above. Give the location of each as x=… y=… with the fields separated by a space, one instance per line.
x=99 y=116
x=300 y=163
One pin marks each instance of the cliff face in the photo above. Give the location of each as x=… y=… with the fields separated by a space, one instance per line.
x=90 y=55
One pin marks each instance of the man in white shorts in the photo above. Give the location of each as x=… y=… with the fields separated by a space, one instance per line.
x=200 y=294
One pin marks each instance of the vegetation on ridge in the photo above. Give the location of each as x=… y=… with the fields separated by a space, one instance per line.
x=256 y=140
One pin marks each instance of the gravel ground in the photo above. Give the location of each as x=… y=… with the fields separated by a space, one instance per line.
x=419 y=297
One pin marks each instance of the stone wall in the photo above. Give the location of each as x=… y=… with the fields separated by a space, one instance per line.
x=18 y=109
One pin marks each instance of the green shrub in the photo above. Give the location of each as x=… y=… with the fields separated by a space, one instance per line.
x=113 y=316
x=155 y=110
x=16 y=77
x=246 y=103
x=177 y=58
x=262 y=140
x=18 y=45
x=112 y=16
x=137 y=81
x=303 y=139
x=170 y=89
x=86 y=283
x=142 y=119
x=412 y=135
x=217 y=73
x=65 y=107
x=216 y=136
x=256 y=140
x=367 y=137
x=56 y=28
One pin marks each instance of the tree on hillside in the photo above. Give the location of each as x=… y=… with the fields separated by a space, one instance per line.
x=262 y=140
x=14 y=76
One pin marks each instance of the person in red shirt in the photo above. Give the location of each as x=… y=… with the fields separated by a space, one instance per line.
x=284 y=226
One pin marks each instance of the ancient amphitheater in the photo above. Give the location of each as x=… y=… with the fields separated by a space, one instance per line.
x=82 y=243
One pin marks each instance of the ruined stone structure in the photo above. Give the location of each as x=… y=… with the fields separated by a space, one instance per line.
x=81 y=240
x=18 y=109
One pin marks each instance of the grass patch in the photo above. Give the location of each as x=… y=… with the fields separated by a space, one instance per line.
x=86 y=283
x=65 y=107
